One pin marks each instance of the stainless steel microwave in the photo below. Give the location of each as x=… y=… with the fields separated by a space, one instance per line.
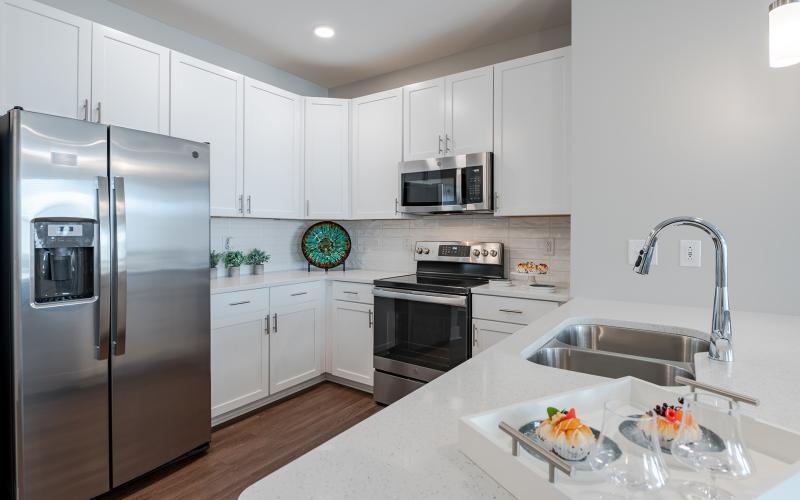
x=449 y=184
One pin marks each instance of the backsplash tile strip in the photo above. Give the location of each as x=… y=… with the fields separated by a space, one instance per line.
x=387 y=244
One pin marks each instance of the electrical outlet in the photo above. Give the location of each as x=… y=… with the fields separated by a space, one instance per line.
x=550 y=246
x=690 y=253
x=634 y=247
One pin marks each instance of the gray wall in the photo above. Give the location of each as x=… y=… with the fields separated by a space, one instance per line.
x=120 y=18
x=482 y=56
x=676 y=111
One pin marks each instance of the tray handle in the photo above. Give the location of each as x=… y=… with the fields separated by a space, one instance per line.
x=554 y=461
x=694 y=384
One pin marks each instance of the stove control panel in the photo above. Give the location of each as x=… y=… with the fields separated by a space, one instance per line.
x=459 y=251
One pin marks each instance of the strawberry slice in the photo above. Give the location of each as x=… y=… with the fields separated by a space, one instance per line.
x=570 y=414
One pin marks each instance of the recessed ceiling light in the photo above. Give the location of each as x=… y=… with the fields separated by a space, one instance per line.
x=324 y=31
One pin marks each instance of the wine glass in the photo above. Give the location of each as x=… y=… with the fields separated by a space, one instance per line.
x=636 y=466
x=710 y=439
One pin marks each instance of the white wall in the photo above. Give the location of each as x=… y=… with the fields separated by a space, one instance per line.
x=120 y=18
x=676 y=112
x=533 y=43
x=387 y=244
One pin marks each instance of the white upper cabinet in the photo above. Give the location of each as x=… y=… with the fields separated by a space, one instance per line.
x=207 y=105
x=423 y=120
x=377 y=135
x=327 y=158
x=469 y=112
x=130 y=81
x=273 y=152
x=45 y=59
x=531 y=135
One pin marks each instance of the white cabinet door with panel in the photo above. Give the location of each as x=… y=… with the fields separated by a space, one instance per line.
x=273 y=151
x=352 y=347
x=295 y=345
x=377 y=138
x=487 y=333
x=531 y=135
x=130 y=81
x=207 y=105
x=327 y=158
x=469 y=112
x=423 y=120
x=45 y=59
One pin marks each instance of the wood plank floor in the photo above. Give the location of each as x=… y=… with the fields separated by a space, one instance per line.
x=249 y=449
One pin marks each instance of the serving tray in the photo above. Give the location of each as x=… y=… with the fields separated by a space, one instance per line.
x=775 y=451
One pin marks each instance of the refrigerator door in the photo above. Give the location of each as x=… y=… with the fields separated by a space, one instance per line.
x=160 y=375
x=55 y=175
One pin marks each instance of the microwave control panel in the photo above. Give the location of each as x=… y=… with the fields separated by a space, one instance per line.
x=473 y=190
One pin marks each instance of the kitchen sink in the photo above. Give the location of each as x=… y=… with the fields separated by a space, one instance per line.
x=634 y=342
x=614 y=352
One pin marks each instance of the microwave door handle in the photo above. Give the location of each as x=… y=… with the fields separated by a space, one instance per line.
x=118 y=342
x=104 y=244
x=460 y=173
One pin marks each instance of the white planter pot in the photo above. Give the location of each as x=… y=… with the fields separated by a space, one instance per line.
x=213 y=272
x=258 y=268
x=233 y=272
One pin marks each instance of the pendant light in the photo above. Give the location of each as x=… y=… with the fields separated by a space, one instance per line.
x=784 y=33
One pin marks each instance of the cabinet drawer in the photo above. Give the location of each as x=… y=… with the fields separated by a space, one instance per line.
x=510 y=310
x=227 y=305
x=353 y=292
x=287 y=295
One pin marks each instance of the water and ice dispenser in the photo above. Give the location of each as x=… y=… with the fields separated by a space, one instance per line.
x=64 y=260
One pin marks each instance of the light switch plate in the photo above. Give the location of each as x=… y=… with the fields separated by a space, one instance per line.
x=634 y=246
x=550 y=246
x=690 y=253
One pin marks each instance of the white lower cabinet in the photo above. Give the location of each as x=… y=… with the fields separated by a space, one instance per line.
x=487 y=333
x=352 y=341
x=295 y=341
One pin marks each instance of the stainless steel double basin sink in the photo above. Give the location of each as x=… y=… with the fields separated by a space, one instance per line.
x=614 y=352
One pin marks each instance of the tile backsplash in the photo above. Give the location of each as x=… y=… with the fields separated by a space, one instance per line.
x=388 y=244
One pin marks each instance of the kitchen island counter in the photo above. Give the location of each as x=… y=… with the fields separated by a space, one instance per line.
x=410 y=449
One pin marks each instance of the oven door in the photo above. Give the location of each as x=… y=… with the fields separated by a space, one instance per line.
x=420 y=334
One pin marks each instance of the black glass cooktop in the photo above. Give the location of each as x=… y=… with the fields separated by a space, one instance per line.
x=428 y=283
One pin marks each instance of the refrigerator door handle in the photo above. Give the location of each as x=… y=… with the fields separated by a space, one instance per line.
x=122 y=272
x=104 y=244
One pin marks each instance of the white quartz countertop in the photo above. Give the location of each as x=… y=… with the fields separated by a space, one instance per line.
x=252 y=281
x=410 y=449
x=522 y=290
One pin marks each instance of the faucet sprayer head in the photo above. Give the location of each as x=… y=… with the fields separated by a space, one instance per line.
x=642 y=265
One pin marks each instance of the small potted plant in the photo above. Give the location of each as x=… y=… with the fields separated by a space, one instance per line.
x=213 y=259
x=233 y=260
x=257 y=258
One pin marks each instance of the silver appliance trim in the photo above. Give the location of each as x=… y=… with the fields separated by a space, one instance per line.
x=410 y=370
x=389 y=388
x=459 y=162
x=429 y=251
x=121 y=266
x=104 y=242
x=427 y=297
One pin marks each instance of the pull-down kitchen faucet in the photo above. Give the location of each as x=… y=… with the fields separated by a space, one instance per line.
x=721 y=348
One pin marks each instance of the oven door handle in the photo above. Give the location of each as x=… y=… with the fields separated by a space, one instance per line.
x=428 y=297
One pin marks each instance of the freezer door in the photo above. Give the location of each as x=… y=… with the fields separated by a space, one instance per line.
x=58 y=211
x=160 y=380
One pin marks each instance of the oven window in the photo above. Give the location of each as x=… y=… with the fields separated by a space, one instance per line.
x=430 y=188
x=419 y=333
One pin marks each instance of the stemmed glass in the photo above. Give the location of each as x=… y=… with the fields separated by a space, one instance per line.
x=636 y=466
x=717 y=449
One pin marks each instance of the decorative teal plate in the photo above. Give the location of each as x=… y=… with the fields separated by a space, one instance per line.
x=325 y=244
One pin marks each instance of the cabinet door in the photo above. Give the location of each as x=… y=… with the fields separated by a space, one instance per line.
x=352 y=341
x=130 y=81
x=239 y=364
x=295 y=345
x=206 y=105
x=487 y=333
x=423 y=120
x=531 y=123
x=45 y=59
x=273 y=151
x=327 y=158
x=377 y=149
x=469 y=112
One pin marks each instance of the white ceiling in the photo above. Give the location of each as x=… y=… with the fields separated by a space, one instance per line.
x=372 y=36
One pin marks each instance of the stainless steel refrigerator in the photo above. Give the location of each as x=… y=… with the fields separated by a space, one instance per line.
x=105 y=237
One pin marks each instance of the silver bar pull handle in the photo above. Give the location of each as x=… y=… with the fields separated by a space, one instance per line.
x=86 y=115
x=241 y=203
x=369 y=312
x=275 y=323
x=249 y=204
x=395 y=206
x=99 y=111
x=554 y=461
x=511 y=311
x=694 y=384
x=308 y=208
x=297 y=294
x=349 y=292
x=239 y=303
x=447 y=141
x=104 y=323
x=474 y=335
x=266 y=324
x=120 y=234
x=440 y=144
